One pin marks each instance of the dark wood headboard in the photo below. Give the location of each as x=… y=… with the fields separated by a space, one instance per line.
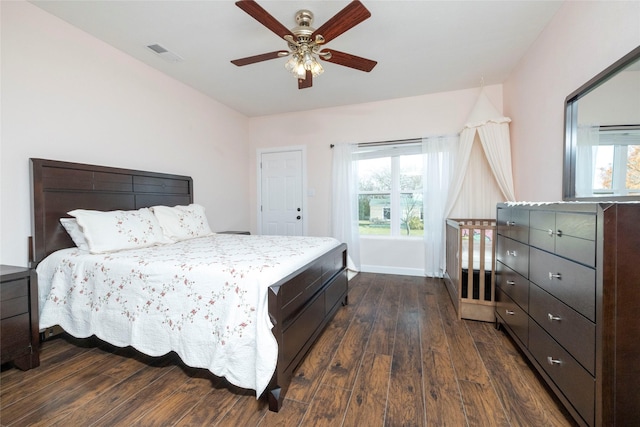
x=58 y=187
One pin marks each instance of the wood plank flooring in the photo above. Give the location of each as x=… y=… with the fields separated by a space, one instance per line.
x=395 y=356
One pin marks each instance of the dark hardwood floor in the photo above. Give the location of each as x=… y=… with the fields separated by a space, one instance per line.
x=396 y=356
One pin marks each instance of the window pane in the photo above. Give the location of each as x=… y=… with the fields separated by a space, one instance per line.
x=411 y=216
x=602 y=179
x=374 y=213
x=633 y=169
x=374 y=174
x=390 y=195
x=411 y=172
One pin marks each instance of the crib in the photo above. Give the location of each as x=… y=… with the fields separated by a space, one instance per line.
x=470 y=242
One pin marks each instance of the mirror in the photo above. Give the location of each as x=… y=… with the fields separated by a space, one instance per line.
x=602 y=135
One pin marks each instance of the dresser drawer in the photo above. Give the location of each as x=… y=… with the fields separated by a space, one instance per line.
x=513 y=284
x=513 y=316
x=581 y=226
x=571 y=330
x=577 y=385
x=580 y=250
x=543 y=239
x=514 y=255
x=513 y=223
x=570 y=235
x=571 y=283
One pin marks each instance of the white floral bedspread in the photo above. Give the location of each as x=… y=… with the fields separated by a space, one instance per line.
x=205 y=298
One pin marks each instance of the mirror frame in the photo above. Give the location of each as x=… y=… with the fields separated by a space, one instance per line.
x=570 y=127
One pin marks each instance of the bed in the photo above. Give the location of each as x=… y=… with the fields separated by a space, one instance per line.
x=469 y=274
x=301 y=298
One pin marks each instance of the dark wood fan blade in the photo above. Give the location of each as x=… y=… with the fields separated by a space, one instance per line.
x=353 y=14
x=262 y=16
x=306 y=82
x=348 y=60
x=259 y=58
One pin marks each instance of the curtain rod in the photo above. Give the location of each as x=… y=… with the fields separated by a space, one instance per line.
x=393 y=141
x=619 y=127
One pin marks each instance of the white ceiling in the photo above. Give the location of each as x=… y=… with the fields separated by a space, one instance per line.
x=421 y=47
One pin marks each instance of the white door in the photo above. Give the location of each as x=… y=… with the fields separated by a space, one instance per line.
x=281 y=193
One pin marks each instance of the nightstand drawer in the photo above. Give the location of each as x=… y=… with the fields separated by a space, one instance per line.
x=15 y=339
x=13 y=307
x=19 y=338
x=14 y=289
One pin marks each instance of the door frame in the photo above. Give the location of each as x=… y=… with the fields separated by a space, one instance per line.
x=283 y=149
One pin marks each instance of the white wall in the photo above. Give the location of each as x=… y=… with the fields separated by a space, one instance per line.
x=68 y=96
x=584 y=38
x=414 y=117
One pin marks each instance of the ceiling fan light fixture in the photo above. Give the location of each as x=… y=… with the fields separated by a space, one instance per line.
x=299 y=63
x=305 y=43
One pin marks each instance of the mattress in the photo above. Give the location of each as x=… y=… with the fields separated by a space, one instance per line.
x=477 y=255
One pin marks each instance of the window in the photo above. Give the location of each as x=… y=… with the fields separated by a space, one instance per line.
x=617 y=163
x=390 y=190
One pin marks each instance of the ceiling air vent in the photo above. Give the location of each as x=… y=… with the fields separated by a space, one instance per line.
x=164 y=53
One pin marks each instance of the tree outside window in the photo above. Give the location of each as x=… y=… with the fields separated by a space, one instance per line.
x=618 y=169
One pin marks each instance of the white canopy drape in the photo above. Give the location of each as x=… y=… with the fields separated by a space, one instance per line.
x=492 y=129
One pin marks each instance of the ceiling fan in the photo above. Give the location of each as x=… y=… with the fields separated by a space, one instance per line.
x=305 y=43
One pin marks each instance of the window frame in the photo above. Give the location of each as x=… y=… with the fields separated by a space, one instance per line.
x=394 y=152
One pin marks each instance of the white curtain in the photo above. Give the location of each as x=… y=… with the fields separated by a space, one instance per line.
x=588 y=140
x=344 y=208
x=439 y=159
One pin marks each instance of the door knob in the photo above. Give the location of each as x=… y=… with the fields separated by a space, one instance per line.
x=298 y=217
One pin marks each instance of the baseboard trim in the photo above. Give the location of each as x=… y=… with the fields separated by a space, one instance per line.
x=381 y=269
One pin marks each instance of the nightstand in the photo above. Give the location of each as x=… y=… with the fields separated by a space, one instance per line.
x=19 y=337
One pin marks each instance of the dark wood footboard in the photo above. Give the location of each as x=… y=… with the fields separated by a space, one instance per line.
x=300 y=307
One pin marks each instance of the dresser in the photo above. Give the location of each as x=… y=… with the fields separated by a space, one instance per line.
x=568 y=293
x=19 y=337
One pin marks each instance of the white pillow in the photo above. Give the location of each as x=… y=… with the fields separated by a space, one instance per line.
x=117 y=230
x=75 y=232
x=182 y=222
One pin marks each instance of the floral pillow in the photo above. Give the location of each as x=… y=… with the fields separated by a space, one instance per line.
x=182 y=222
x=75 y=232
x=117 y=230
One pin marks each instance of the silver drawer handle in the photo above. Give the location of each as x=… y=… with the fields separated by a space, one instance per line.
x=553 y=361
x=511 y=282
x=551 y=232
x=554 y=276
x=513 y=253
x=552 y=317
x=511 y=223
x=510 y=312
